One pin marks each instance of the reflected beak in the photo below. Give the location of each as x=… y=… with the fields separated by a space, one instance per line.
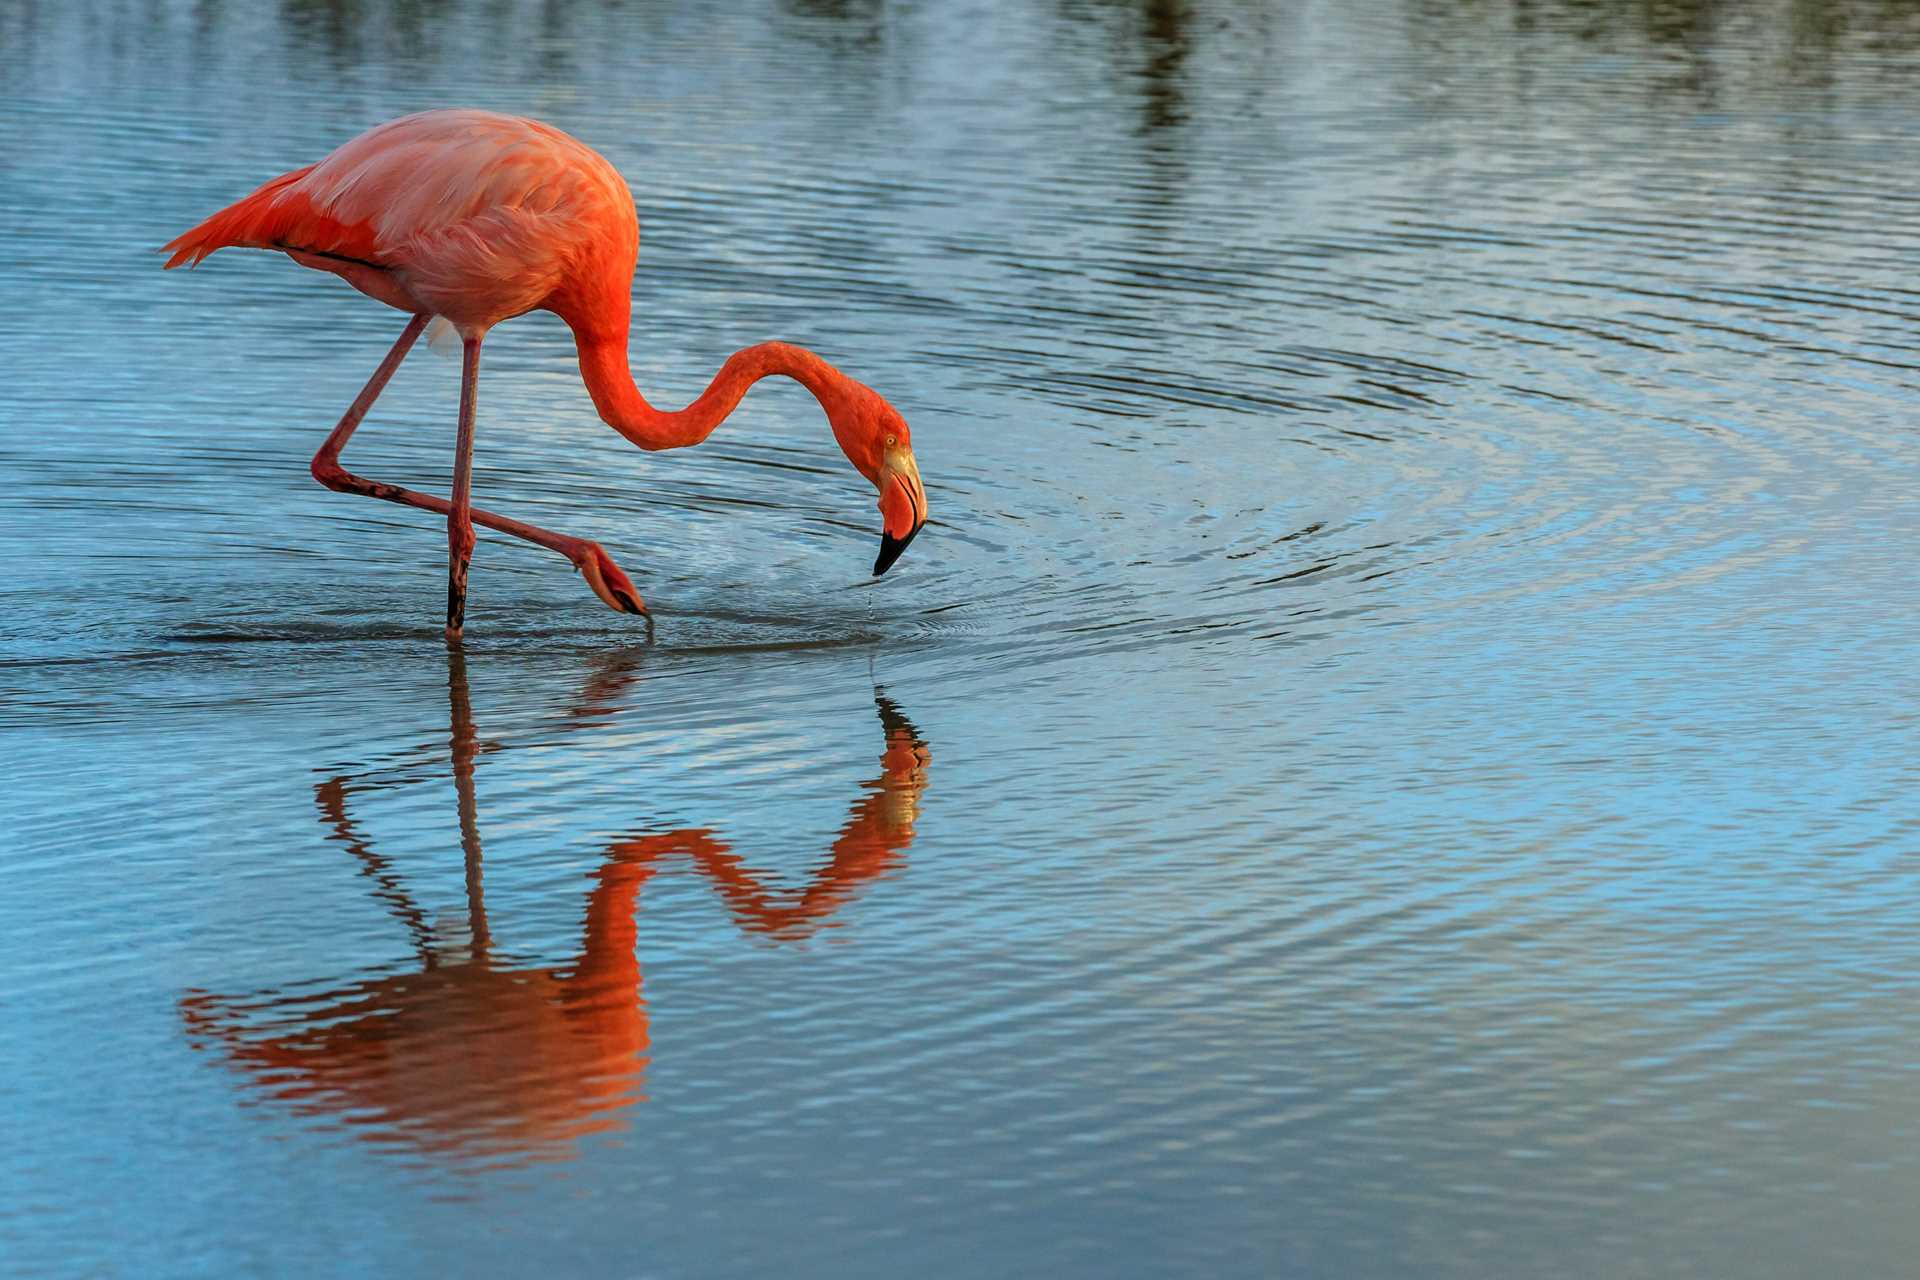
x=903 y=506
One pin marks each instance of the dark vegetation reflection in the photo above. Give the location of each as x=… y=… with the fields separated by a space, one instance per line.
x=472 y=1055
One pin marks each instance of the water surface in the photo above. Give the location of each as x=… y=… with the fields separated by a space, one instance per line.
x=1395 y=756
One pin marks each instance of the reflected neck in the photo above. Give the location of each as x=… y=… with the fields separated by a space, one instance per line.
x=604 y=368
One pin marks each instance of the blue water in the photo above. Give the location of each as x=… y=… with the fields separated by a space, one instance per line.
x=1395 y=756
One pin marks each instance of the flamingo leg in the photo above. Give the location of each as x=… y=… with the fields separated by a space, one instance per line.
x=460 y=518
x=602 y=574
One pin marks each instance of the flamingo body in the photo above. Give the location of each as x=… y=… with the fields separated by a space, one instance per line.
x=465 y=214
x=479 y=217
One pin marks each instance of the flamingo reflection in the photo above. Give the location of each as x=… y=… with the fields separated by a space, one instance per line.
x=474 y=1057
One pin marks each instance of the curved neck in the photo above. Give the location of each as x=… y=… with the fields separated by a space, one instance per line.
x=603 y=366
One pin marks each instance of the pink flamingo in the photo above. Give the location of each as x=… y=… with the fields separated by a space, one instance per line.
x=478 y=217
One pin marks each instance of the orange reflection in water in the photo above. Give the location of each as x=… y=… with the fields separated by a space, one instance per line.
x=475 y=1058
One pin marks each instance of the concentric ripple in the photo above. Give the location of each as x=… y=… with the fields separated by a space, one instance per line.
x=1394 y=756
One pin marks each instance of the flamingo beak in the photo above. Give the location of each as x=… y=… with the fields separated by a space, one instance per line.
x=903 y=506
x=890 y=549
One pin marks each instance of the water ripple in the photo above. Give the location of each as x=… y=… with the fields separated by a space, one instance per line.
x=1390 y=757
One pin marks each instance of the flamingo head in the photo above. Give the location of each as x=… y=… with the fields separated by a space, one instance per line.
x=875 y=439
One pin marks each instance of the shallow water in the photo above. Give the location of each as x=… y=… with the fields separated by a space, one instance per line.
x=1395 y=755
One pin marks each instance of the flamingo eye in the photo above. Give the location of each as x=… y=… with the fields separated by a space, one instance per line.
x=892 y=441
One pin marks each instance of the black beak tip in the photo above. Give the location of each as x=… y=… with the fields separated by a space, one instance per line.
x=891 y=547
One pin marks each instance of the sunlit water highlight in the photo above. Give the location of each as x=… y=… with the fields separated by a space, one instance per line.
x=1396 y=755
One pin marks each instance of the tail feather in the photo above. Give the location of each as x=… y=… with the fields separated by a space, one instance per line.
x=255 y=222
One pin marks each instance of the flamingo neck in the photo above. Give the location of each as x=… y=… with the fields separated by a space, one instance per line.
x=604 y=368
